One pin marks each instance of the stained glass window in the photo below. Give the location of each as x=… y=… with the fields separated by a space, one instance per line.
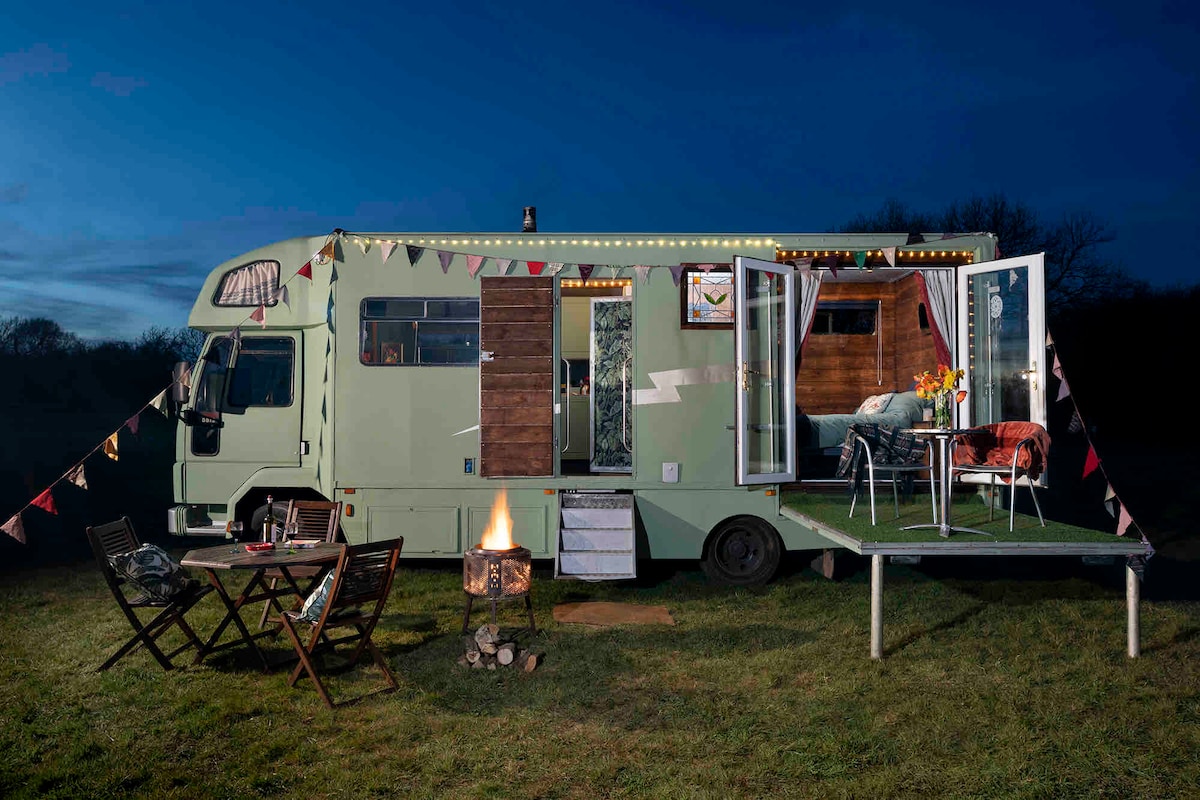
x=707 y=297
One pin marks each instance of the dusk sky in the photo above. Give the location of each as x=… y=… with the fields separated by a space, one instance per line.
x=145 y=143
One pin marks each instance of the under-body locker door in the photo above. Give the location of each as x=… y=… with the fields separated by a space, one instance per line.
x=517 y=384
x=765 y=376
x=1002 y=340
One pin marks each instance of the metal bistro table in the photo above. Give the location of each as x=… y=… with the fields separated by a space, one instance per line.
x=235 y=557
x=943 y=436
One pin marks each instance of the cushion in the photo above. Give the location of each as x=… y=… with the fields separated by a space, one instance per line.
x=906 y=404
x=152 y=570
x=875 y=403
x=314 y=604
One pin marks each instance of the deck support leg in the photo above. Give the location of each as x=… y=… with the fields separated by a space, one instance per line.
x=1133 y=592
x=876 y=606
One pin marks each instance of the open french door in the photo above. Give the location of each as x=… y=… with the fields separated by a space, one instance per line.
x=765 y=371
x=1002 y=340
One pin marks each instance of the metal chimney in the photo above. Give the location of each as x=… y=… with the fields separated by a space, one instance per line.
x=530 y=223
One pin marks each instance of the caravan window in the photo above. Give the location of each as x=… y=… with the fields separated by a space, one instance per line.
x=419 y=331
x=253 y=284
x=707 y=300
x=846 y=318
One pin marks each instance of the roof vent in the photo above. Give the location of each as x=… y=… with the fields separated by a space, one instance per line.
x=529 y=225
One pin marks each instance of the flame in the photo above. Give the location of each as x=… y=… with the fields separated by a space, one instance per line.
x=498 y=534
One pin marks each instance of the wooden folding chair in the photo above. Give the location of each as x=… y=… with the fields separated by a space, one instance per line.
x=316 y=521
x=360 y=587
x=115 y=538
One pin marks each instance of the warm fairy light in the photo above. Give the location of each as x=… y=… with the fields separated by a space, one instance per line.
x=498 y=534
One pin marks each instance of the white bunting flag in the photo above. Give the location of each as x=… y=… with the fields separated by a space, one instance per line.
x=503 y=265
x=889 y=255
x=77 y=477
x=474 y=264
x=281 y=296
x=386 y=249
x=159 y=403
x=14 y=528
x=554 y=267
x=643 y=273
x=363 y=244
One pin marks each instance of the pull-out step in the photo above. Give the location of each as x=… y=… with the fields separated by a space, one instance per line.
x=595 y=536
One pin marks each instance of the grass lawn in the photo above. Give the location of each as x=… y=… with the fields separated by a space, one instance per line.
x=998 y=685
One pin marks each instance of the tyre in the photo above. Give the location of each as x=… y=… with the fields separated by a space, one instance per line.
x=742 y=551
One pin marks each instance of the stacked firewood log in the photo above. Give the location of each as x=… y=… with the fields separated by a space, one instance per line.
x=488 y=648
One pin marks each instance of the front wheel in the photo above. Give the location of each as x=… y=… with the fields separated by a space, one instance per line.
x=743 y=551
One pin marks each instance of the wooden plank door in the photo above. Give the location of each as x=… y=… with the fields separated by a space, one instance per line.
x=516 y=415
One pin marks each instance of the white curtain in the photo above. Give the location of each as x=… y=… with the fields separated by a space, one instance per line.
x=251 y=285
x=808 y=286
x=939 y=287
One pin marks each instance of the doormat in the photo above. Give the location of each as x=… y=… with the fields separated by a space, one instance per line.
x=601 y=613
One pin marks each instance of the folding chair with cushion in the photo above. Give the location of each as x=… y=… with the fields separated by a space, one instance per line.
x=888 y=450
x=1010 y=451
x=316 y=521
x=350 y=598
x=144 y=577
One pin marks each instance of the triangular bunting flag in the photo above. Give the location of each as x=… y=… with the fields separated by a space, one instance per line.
x=306 y=270
x=329 y=311
x=554 y=267
x=14 y=528
x=889 y=255
x=159 y=403
x=474 y=264
x=445 y=257
x=235 y=335
x=363 y=244
x=333 y=275
x=503 y=265
x=132 y=424
x=386 y=249
x=76 y=476
x=45 y=501
x=1110 y=498
x=110 y=447
x=676 y=273
x=643 y=273
x=1123 y=521
x=585 y=271
x=802 y=264
x=327 y=251
x=1063 y=389
x=949 y=235
x=706 y=267
x=615 y=271
x=414 y=253
x=860 y=258
x=259 y=315
x=1076 y=423
x=1091 y=462
x=535 y=267
x=281 y=296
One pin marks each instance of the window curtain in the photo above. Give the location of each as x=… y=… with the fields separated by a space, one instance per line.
x=808 y=286
x=937 y=292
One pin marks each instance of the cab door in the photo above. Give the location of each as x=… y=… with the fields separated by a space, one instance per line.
x=765 y=371
x=1002 y=340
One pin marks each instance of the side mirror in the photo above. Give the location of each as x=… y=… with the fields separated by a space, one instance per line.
x=181 y=380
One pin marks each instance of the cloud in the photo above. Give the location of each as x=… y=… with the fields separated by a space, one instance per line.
x=14 y=193
x=39 y=59
x=10 y=255
x=119 y=85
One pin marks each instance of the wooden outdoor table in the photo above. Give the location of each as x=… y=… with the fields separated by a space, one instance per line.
x=233 y=556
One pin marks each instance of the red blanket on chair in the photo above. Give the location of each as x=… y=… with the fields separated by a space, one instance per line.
x=993 y=445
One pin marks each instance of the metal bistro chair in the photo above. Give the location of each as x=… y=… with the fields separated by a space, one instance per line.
x=354 y=597
x=316 y=521
x=888 y=451
x=1010 y=451
x=117 y=538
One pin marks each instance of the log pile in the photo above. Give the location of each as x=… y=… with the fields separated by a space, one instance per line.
x=488 y=648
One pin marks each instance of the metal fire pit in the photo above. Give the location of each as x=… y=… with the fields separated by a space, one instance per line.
x=497 y=575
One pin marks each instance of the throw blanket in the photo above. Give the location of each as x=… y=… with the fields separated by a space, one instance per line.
x=889 y=446
x=993 y=445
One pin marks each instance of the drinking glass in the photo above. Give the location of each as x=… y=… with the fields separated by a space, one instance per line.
x=235 y=530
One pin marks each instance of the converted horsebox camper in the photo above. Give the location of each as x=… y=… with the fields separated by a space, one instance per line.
x=625 y=396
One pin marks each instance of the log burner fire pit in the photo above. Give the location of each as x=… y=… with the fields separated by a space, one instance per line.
x=498 y=569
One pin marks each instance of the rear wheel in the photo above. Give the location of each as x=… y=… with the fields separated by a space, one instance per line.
x=743 y=551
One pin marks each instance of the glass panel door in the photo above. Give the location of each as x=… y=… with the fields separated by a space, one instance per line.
x=765 y=376
x=1002 y=333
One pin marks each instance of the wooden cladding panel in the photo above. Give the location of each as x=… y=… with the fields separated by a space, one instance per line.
x=516 y=427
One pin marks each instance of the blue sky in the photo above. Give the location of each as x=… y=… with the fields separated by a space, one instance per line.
x=144 y=143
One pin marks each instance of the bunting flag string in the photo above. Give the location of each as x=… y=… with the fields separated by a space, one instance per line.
x=15 y=526
x=1092 y=461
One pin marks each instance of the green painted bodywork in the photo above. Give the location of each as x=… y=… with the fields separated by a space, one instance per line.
x=398 y=436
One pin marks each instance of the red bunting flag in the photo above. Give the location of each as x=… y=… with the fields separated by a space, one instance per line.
x=306 y=270
x=132 y=424
x=535 y=267
x=259 y=315
x=45 y=501
x=1091 y=463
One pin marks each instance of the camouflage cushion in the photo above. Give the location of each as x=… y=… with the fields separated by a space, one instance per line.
x=152 y=570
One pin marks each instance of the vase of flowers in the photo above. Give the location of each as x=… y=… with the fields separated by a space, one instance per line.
x=941 y=387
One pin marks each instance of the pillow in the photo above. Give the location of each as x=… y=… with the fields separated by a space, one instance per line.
x=315 y=603
x=152 y=570
x=875 y=403
x=908 y=404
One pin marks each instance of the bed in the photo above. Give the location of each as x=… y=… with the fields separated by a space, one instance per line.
x=821 y=431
